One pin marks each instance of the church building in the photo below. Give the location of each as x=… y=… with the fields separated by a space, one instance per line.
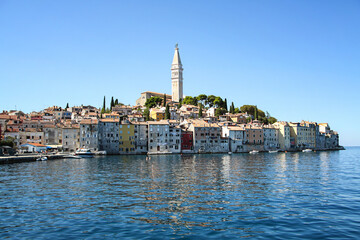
x=177 y=76
x=176 y=83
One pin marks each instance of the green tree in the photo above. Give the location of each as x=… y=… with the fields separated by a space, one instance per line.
x=236 y=110
x=225 y=105
x=232 y=108
x=250 y=109
x=272 y=120
x=164 y=100
x=167 y=112
x=180 y=103
x=218 y=102
x=202 y=99
x=103 y=108
x=147 y=114
x=8 y=141
x=256 y=113
x=153 y=101
x=220 y=111
x=190 y=100
x=248 y=119
x=200 y=110
x=116 y=102
x=67 y=106
x=210 y=100
x=112 y=103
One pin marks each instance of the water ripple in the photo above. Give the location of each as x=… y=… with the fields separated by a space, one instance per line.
x=263 y=196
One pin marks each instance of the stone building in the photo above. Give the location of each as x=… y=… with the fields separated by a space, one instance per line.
x=109 y=135
x=71 y=138
x=89 y=134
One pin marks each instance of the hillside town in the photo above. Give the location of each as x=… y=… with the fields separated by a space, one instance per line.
x=161 y=124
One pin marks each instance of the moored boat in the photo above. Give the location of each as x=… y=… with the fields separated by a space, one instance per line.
x=273 y=151
x=307 y=150
x=253 y=152
x=84 y=153
x=42 y=159
x=100 y=153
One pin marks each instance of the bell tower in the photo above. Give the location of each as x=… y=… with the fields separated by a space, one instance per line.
x=177 y=76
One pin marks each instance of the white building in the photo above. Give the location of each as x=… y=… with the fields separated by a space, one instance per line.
x=158 y=137
x=271 y=137
x=237 y=137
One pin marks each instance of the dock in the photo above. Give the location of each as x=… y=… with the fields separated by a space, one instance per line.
x=29 y=158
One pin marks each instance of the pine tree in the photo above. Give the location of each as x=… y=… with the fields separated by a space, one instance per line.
x=200 y=111
x=103 y=108
x=164 y=101
x=167 y=112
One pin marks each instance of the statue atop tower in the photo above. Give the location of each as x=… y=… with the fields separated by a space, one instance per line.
x=177 y=76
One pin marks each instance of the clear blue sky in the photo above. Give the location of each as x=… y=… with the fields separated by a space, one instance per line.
x=296 y=59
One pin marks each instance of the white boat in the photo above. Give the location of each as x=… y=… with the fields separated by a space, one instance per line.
x=253 y=152
x=71 y=156
x=100 y=153
x=273 y=151
x=42 y=159
x=229 y=153
x=83 y=152
x=307 y=150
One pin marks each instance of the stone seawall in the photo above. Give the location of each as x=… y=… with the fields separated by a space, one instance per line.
x=27 y=158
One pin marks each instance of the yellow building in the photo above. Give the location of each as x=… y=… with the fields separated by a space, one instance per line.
x=111 y=116
x=157 y=114
x=303 y=136
x=127 y=139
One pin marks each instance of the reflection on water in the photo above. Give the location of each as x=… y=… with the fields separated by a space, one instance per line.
x=283 y=195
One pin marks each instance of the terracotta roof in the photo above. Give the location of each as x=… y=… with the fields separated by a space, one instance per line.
x=108 y=120
x=155 y=93
x=162 y=122
x=89 y=121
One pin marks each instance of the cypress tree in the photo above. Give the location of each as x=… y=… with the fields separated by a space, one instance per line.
x=200 y=111
x=112 y=103
x=164 y=100
x=116 y=102
x=232 y=108
x=167 y=112
x=225 y=105
x=103 y=108
x=256 y=113
x=180 y=103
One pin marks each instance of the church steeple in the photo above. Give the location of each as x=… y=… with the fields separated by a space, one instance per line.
x=176 y=76
x=176 y=59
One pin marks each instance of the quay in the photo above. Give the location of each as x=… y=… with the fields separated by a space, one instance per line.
x=29 y=158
